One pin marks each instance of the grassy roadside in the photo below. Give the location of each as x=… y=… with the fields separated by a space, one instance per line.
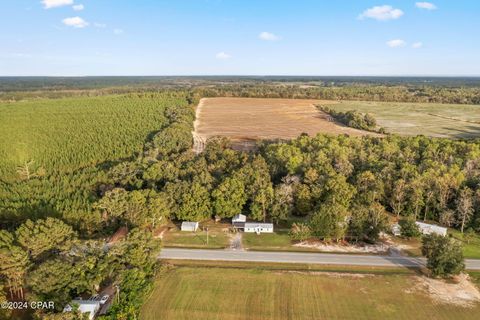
x=290 y=266
x=218 y=238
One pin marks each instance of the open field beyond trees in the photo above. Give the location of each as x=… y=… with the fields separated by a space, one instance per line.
x=246 y=119
x=430 y=119
x=219 y=293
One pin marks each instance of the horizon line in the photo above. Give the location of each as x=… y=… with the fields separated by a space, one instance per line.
x=247 y=75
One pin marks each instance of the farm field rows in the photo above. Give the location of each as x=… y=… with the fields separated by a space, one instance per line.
x=247 y=119
x=430 y=119
x=222 y=293
x=67 y=134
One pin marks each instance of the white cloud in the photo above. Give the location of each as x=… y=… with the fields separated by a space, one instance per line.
x=417 y=45
x=99 y=25
x=117 y=31
x=78 y=7
x=222 y=56
x=382 y=13
x=267 y=36
x=425 y=5
x=47 y=4
x=75 y=22
x=397 y=43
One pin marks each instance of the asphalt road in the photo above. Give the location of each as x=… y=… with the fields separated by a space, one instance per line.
x=298 y=257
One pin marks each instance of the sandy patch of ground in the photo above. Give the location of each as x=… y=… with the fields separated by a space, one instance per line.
x=461 y=291
x=330 y=274
x=366 y=248
x=250 y=119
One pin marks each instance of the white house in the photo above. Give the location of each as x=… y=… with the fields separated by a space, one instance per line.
x=84 y=306
x=189 y=226
x=239 y=218
x=426 y=228
x=258 y=227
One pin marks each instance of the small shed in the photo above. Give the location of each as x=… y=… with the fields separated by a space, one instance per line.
x=426 y=228
x=84 y=306
x=239 y=218
x=396 y=230
x=189 y=226
x=258 y=228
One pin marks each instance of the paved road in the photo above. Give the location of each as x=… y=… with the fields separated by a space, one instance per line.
x=298 y=257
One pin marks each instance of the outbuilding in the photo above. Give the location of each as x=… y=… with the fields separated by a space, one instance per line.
x=426 y=228
x=258 y=228
x=84 y=306
x=189 y=226
x=239 y=218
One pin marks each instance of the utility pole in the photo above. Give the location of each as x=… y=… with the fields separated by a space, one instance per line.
x=207 y=234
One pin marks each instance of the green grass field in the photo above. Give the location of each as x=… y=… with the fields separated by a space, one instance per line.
x=227 y=294
x=436 y=120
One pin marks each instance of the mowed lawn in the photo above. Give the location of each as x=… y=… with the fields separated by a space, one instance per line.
x=430 y=119
x=218 y=238
x=227 y=294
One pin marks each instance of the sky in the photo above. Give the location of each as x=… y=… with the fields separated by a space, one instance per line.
x=239 y=37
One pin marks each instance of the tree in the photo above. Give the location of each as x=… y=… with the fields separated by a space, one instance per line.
x=14 y=263
x=258 y=186
x=337 y=191
x=303 y=200
x=409 y=228
x=158 y=207
x=416 y=191
x=53 y=280
x=397 y=201
x=300 y=232
x=465 y=207
x=189 y=201
x=330 y=222
x=138 y=250
x=282 y=205
x=113 y=203
x=444 y=255
x=368 y=221
x=229 y=197
x=44 y=235
x=369 y=188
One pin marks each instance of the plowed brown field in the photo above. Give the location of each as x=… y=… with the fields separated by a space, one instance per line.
x=248 y=119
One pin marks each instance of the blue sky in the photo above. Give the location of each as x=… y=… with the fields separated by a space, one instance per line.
x=239 y=37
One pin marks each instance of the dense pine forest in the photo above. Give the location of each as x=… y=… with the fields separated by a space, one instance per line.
x=75 y=170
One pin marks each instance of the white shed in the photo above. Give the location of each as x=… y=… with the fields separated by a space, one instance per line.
x=426 y=228
x=239 y=218
x=189 y=226
x=396 y=230
x=258 y=227
x=84 y=306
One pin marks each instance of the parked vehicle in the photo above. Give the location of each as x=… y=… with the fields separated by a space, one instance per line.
x=104 y=299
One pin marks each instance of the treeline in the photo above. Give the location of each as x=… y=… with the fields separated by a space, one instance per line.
x=353 y=119
x=381 y=93
x=342 y=186
x=381 y=90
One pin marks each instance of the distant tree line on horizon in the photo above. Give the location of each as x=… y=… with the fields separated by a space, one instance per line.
x=448 y=91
